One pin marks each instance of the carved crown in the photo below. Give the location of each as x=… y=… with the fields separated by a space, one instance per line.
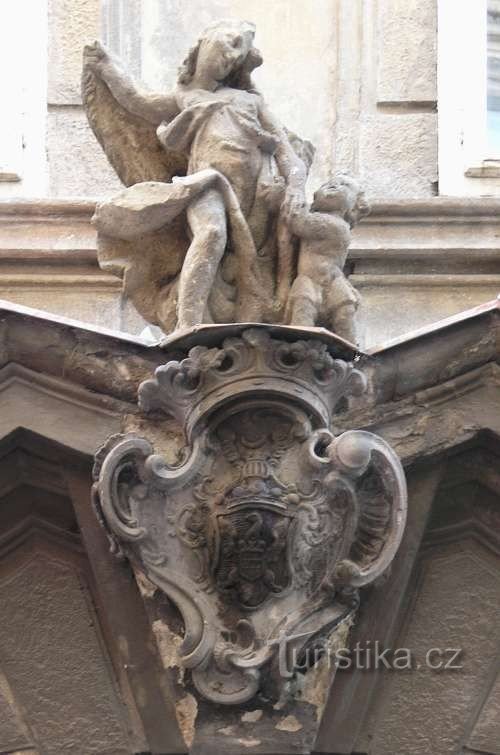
x=251 y=365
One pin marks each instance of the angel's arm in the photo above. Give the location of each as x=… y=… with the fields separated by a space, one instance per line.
x=290 y=165
x=315 y=225
x=153 y=108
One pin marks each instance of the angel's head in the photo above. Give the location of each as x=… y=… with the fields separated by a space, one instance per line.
x=343 y=195
x=224 y=54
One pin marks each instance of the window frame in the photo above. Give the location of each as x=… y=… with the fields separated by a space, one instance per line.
x=465 y=167
x=23 y=93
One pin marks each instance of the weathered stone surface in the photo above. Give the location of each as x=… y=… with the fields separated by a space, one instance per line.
x=53 y=659
x=107 y=362
x=320 y=293
x=446 y=351
x=47 y=249
x=351 y=46
x=398 y=155
x=422 y=301
x=215 y=197
x=77 y=167
x=28 y=401
x=332 y=63
x=486 y=734
x=70 y=22
x=261 y=536
x=13 y=735
x=98 y=301
x=407 y=49
x=456 y=607
x=360 y=143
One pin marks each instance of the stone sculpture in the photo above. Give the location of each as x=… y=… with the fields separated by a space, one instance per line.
x=321 y=293
x=203 y=234
x=268 y=525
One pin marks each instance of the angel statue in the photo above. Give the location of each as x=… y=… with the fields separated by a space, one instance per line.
x=200 y=235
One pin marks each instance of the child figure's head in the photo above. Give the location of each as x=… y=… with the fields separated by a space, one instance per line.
x=342 y=194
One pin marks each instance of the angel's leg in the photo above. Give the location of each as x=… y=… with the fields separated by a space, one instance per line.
x=207 y=220
x=343 y=301
x=304 y=302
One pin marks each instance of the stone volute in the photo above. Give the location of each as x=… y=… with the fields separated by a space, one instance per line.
x=267 y=527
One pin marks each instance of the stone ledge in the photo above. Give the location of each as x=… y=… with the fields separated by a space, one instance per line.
x=449 y=207
x=435 y=257
x=47 y=208
x=425 y=280
x=47 y=232
x=407 y=231
x=385 y=229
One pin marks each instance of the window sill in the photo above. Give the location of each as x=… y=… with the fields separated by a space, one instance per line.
x=9 y=177
x=487 y=169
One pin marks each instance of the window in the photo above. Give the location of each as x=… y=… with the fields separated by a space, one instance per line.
x=23 y=85
x=493 y=80
x=469 y=97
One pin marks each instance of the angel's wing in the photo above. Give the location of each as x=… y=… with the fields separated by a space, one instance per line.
x=129 y=142
x=150 y=266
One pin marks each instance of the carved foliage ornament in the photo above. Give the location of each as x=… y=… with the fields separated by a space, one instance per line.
x=269 y=525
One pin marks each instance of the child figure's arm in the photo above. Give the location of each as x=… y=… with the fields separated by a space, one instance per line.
x=315 y=225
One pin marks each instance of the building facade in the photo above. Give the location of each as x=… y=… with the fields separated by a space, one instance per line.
x=398 y=92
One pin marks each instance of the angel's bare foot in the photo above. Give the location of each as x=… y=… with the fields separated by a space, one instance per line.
x=344 y=323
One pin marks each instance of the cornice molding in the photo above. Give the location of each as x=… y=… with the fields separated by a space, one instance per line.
x=470 y=529
x=33 y=535
x=66 y=208
x=57 y=409
x=437 y=353
x=444 y=250
x=452 y=348
x=15 y=374
x=433 y=421
x=436 y=206
x=372 y=234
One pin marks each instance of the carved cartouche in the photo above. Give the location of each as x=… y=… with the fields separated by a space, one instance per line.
x=270 y=521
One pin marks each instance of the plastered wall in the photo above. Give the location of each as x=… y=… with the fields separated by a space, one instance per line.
x=358 y=78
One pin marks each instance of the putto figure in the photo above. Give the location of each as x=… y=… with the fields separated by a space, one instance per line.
x=209 y=246
x=321 y=293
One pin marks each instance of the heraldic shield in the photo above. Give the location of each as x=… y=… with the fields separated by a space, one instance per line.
x=251 y=557
x=270 y=523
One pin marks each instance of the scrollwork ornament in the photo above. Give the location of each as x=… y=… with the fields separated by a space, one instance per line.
x=270 y=524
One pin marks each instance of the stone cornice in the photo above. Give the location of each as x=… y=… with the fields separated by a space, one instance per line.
x=116 y=362
x=107 y=362
x=437 y=353
x=437 y=237
x=450 y=207
x=486 y=310
x=444 y=207
x=47 y=208
x=415 y=238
